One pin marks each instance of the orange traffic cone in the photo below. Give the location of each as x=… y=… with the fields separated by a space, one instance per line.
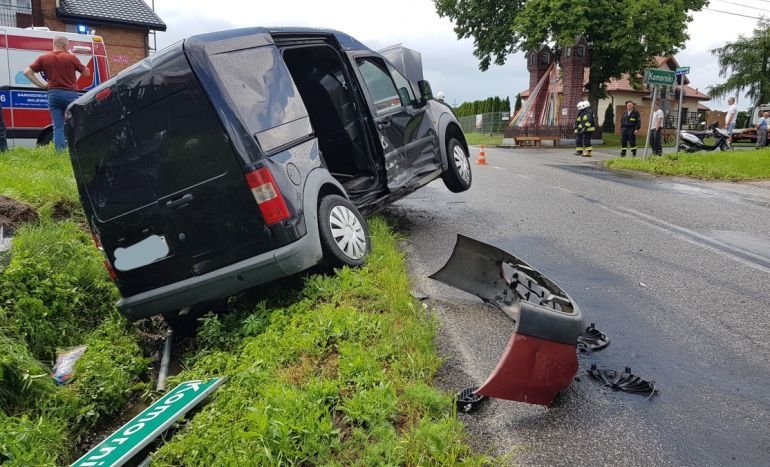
x=481 y=160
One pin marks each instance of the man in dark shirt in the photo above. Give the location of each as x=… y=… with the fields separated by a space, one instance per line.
x=630 y=123
x=60 y=68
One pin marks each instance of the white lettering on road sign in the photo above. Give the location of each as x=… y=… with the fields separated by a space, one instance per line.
x=133 y=429
x=152 y=415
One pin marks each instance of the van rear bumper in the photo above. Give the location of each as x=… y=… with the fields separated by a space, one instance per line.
x=285 y=261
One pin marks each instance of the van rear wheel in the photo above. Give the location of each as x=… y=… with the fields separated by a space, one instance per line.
x=343 y=231
x=457 y=177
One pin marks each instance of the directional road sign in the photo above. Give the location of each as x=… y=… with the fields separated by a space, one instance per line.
x=132 y=437
x=657 y=76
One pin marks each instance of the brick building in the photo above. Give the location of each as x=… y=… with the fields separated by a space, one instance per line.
x=125 y=25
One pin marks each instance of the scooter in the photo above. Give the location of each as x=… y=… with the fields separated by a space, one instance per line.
x=691 y=141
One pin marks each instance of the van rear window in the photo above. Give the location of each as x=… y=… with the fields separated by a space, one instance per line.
x=260 y=86
x=113 y=173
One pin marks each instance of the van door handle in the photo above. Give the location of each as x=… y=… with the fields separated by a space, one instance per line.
x=383 y=124
x=186 y=199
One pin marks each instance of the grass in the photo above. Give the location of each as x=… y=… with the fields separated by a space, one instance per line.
x=40 y=177
x=729 y=165
x=338 y=375
x=475 y=139
x=53 y=295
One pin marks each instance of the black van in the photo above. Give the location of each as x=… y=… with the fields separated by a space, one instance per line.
x=234 y=158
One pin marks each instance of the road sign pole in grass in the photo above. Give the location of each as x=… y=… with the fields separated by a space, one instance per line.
x=649 y=128
x=682 y=74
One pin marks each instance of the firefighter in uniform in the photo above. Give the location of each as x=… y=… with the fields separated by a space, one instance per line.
x=630 y=123
x=585 y=125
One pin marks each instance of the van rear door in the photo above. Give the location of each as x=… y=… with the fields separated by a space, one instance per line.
x=173 y=202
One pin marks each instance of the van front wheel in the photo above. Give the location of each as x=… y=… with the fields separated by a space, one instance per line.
x=343 y=231
x=457 y=177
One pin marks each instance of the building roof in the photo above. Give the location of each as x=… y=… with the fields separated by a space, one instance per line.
x=623 y=84
x=121 y=12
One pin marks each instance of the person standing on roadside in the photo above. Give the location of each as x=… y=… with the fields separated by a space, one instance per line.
x=630 y=123
x=657 y=130
x=60 y=68
x=762 y=129
x=732 y=114
x=585 y=125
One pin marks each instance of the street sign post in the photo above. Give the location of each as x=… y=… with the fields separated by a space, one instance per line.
x=649 y=127
x=655 y=76
x=135 y=435
x=681 y=72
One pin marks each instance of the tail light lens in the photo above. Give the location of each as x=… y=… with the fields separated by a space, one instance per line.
x=106 y=262
x=268 y=196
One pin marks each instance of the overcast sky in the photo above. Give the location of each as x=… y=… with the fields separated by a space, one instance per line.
x=448 y=63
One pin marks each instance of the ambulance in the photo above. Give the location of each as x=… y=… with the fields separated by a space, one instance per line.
x=25 y=107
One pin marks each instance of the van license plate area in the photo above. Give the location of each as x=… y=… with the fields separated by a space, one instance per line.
x=149 y=250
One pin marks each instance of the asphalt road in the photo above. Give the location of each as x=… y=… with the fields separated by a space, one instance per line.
x=676 y=272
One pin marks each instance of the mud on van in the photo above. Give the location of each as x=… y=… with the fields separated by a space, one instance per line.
x=234 y=158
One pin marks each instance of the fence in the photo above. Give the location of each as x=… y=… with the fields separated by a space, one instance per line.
x=486 y=123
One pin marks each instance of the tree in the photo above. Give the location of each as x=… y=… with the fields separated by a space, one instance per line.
x=623 y=36
x=746 y=61
x=609 y=120
x=518 y=103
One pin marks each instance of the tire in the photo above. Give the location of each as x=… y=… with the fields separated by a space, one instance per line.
x=457 y=177
x=344 y=234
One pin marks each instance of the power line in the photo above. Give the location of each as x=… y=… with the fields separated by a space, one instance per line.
x=731 y=13
x=744 y=6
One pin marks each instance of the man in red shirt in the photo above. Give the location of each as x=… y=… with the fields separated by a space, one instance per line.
x=60 y=69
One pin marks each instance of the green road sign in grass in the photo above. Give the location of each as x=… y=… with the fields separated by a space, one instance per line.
x=132 y=437
x=655 y=76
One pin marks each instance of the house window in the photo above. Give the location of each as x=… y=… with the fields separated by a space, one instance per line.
x=580 y=51
x=545 y=59
x=20 y=4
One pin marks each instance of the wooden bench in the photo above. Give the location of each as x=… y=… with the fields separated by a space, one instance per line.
x=534 y=140
x=521 y=140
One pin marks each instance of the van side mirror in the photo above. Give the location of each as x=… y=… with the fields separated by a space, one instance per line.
x=425 y=91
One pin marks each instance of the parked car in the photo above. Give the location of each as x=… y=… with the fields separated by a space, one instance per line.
x=234 y=158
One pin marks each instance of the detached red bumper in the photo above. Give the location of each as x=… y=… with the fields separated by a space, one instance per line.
x=541 y=357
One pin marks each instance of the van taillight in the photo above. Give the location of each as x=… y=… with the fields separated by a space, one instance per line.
x=268 y=196
x=106 y=262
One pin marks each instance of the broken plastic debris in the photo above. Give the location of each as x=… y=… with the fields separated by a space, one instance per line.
x=643 y=285
x=623 y=381
x=592 y=340
x=64 y=370
x=468 y=401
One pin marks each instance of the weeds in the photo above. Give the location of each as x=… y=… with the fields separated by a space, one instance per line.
x=339 y=376
x=56 y=293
